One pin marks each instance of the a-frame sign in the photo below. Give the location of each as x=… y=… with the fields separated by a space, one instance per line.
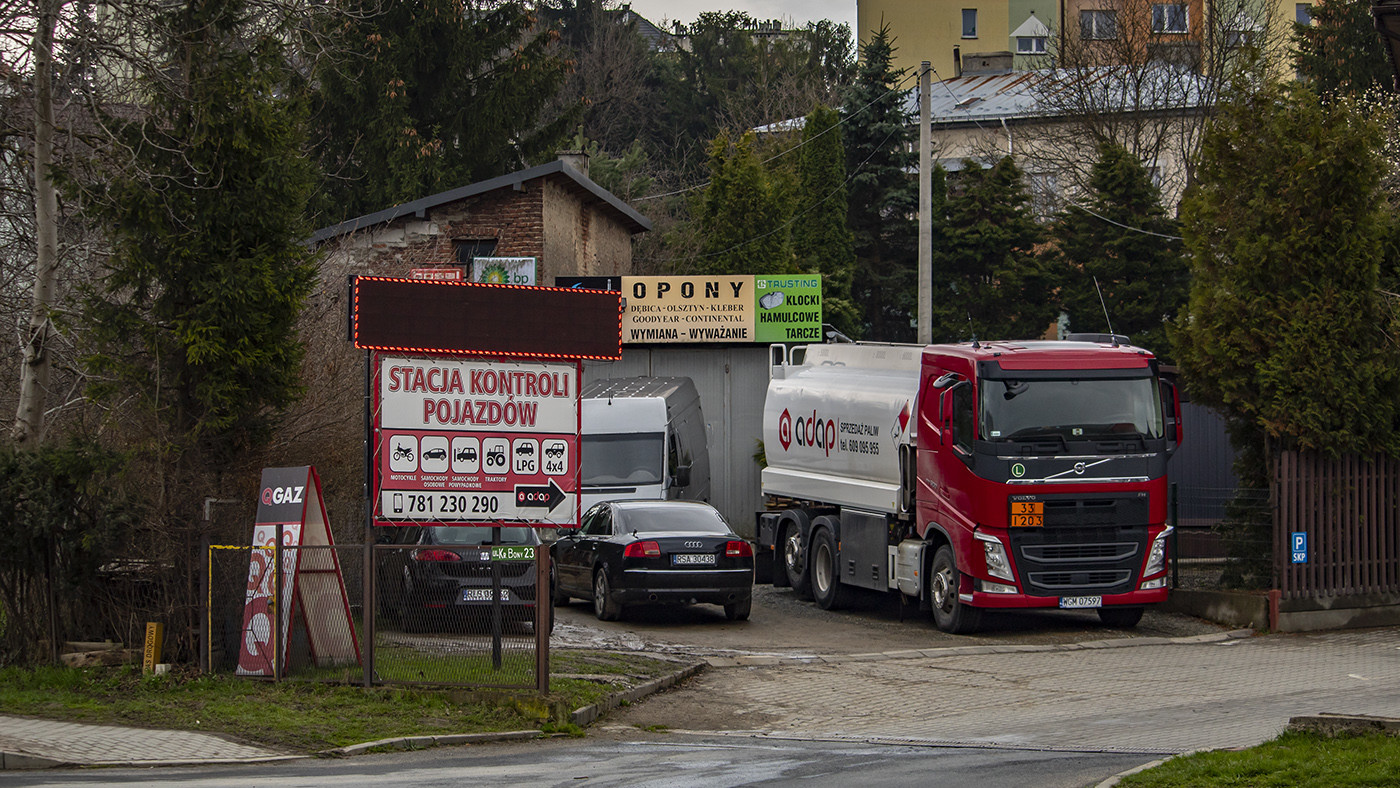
x=313 y=589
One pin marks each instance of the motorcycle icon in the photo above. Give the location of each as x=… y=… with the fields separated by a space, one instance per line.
x=403 y=453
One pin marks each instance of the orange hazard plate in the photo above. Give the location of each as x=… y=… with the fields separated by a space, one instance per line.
x=1027 y=514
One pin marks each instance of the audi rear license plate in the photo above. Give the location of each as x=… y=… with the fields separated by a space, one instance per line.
x=1080 y=602
x=480 y=594
x=693 y=559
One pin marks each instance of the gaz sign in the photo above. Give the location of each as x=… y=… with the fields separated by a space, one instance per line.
x=1300 y=547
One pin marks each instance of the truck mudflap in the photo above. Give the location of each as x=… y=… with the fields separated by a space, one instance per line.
x=1078 y=602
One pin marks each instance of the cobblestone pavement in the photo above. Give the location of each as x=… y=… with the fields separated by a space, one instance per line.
x=31 y=743
x=1150 y=695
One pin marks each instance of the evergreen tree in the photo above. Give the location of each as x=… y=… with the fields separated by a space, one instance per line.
x=209 y=266
x=884 y=198
x=430 y=96
x=1340 y=50
x=820 y=238
x=742 y=219
x=1285 y=228
x=988 y=280
x=1124 y=246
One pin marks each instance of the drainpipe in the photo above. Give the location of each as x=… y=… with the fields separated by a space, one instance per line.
x=957 y=62
x=1010 y=149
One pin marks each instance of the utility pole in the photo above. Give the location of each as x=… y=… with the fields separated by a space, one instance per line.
x=925 y=329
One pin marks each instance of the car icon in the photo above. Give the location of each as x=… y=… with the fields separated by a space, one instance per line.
x=435 y=454
x=555 y=450
x=466 y=454
x=525 y=450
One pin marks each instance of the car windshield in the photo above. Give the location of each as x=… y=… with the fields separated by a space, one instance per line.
x=686 y=518
x=626 y=458
x=1070 y=409
x=448 y=534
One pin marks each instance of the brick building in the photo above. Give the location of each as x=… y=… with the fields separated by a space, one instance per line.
x=553 y=213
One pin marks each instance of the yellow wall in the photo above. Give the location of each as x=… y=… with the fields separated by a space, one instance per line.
x=929 y=29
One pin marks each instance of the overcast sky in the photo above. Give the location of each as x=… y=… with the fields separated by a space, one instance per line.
x=794 y=12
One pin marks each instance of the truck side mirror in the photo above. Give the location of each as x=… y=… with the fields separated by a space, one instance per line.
x=682 y=477
x=1171 y=405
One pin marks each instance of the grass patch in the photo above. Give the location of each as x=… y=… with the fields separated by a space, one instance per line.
x=1293 y=760
x=306 y=716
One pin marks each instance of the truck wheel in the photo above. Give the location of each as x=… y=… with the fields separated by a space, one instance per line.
x=793 y=563
x=950 y=613
x=603 y=605
x=1120 y=617
x=826 y=572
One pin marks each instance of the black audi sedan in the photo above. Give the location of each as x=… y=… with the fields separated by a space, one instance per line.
x=653 y=552
x=434 y=576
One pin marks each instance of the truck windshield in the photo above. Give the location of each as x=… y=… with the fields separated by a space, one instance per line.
x=627 y=458
x=1070 y=409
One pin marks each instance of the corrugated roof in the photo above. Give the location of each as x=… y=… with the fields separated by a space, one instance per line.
x=1026 y=94
x=420 y=206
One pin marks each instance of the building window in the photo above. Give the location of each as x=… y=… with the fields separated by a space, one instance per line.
x=969 y=17
x=1098 y=25
x=466 y=250
x=1030 y=45
x=1169 y=18
x=1303 y=13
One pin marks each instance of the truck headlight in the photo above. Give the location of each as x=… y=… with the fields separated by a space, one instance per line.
x=1157 y=556
x=998 y=565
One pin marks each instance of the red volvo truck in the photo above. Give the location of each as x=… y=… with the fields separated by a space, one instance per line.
x=972 y=476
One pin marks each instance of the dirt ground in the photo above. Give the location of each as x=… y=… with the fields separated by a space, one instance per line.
x=783 y=625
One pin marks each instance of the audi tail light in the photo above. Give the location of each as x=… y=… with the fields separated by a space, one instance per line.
x=738 y=549
x=646 y=549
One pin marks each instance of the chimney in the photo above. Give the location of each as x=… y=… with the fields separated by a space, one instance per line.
x=576 y=159
x=957 y=62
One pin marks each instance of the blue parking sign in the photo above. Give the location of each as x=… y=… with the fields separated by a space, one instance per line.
x=1300 y=547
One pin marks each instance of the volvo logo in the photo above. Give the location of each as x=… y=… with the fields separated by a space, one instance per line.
x=692 y=545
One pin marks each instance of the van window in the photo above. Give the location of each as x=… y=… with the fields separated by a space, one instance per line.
x=627 y=458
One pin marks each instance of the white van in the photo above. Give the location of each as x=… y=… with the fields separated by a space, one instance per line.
x=642 y=438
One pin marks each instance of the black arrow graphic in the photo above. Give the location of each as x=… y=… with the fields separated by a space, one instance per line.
x=527 y=496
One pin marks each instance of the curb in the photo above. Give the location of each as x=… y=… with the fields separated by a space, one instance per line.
x=965 y=651
x=588 y=714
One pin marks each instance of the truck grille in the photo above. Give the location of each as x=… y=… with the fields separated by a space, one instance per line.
x=1067 y=561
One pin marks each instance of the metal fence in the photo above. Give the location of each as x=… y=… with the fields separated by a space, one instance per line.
x=475 y=624
x=1348 y=508
x=1223 y=538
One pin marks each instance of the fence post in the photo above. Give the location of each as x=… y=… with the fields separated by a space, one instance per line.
x=544 y=617
x=206 y=640
x=277 y=606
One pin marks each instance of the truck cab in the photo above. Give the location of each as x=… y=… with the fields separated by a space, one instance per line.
x=642 y=438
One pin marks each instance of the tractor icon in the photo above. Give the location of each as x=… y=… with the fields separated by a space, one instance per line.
x=465 y=454
x=403 y=452
x=496 y=456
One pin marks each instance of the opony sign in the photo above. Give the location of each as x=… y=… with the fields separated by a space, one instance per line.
x=476 y=441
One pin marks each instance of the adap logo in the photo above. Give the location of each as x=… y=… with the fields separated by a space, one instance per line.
x=806 y=431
